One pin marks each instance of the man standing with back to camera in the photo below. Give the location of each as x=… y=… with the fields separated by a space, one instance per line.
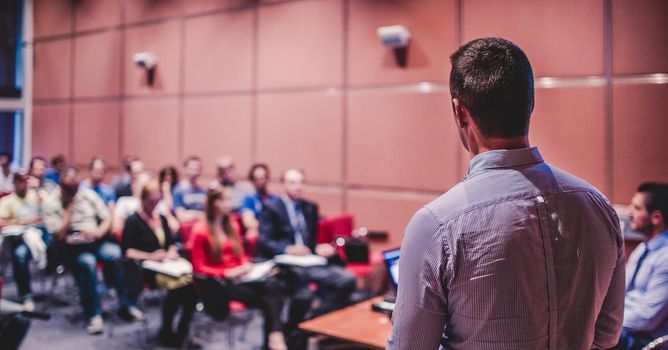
x=519 y=255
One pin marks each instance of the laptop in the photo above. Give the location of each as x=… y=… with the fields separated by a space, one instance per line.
x=391 y=259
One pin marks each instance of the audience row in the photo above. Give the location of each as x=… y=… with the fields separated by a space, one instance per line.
x=52 y=217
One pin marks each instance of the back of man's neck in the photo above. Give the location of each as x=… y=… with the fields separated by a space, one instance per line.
x=496 y=143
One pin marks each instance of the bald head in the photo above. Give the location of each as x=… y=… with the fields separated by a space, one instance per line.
x=293 y=181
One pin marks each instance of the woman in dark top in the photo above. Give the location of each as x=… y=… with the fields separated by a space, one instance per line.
x=147 y=236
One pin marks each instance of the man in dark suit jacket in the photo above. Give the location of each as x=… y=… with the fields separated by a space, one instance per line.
x=289 y=225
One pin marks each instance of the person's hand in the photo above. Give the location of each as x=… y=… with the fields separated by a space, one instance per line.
x=172 y=254
x=159 y=255
x=89 y=235
x=325 y=250
x=35 y=219
x=251 y=233
x=297 y=250
x=238 y=271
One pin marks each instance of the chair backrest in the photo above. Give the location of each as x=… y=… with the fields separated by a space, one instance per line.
x=185 y=230
x=335 y=226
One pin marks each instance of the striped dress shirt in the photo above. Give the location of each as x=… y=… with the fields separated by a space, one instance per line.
x=518 y=256
x=646 y=305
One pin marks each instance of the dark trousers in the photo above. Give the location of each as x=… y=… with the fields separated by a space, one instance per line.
x=334 y=283
x=13 y=329
x=264 y=295
x=633 y=341
x=183 y=298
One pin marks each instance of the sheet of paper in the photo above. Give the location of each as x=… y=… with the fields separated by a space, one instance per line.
x=300 y=260
x=174 y=268
x=259 y=271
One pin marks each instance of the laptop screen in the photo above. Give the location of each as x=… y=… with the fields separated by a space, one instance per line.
x=391 y=258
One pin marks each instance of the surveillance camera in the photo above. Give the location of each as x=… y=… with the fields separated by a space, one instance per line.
x=146 y=60
x=396 y=36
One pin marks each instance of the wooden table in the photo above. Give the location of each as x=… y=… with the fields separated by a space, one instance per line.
x=356 y=324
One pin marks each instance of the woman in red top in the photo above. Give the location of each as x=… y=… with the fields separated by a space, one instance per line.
x=218 y=254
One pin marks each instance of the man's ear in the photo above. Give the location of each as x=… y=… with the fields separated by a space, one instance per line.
x=461 y=113
x=656 y=218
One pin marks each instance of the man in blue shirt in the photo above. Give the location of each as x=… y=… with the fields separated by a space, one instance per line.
x=189 y=196
x=251 y=207
x=57 y=166
x=646 y=302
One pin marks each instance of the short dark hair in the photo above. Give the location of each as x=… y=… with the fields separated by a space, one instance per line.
x=169 y=170
x=57 y=159
x=9 y=155
x=493 y=80
x=656 y=197
x=251 y=172
x=35 y=159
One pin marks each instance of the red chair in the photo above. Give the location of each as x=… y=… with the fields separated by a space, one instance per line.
x=342 y=226
x=185 y=231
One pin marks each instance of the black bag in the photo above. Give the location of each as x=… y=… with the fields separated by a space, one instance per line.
x=357 y=250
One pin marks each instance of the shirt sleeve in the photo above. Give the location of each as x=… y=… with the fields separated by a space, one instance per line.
x=52 y=213
x=420 y=312
x=248 y=205
x=129 y=237
x=644 y=311
x=177 y=197
x=5 y=210
x=609 y=320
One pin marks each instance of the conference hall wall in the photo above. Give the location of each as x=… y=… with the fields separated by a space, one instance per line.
x=308 y=84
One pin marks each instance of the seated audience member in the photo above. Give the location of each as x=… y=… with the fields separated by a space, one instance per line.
x=122 y=183
x=6 y=173
x=189 y=195
x=169 y=178
x=52 y=174
x=20 y=211
x=289 y=225
x=148 y=236
x=646 y=302
x=97 y=171
x=218 y=253
x=252 y=204
x=227 y=177
x=128 y=205
x=36 y=180
x=79 y=219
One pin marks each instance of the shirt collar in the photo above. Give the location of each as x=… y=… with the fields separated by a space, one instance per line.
x=504 y=158
x=657 y=242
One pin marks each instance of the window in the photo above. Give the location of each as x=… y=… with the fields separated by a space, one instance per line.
x=11 y=48
x=14 y=101
x=11 y=132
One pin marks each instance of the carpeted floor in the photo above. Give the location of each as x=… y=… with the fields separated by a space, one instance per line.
x=65 y=330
